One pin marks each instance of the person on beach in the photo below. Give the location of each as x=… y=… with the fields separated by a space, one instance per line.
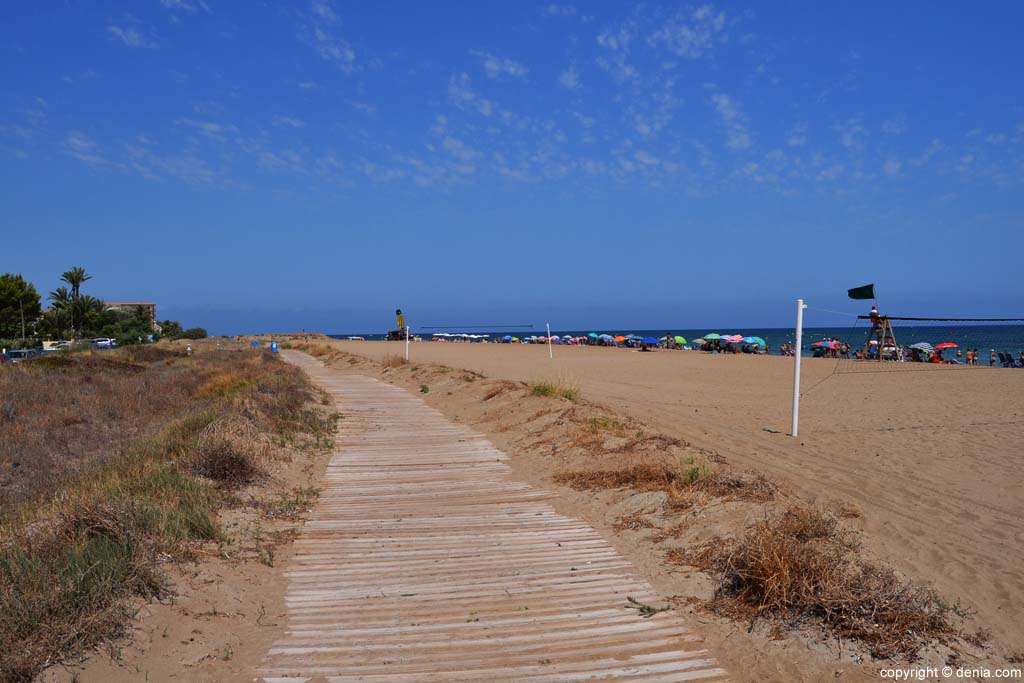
x=992 y=359
x=876 y=318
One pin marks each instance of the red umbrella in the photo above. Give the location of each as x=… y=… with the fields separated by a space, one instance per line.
x=947 y=345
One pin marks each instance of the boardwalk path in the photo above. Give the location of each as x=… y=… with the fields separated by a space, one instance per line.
x=425 y=562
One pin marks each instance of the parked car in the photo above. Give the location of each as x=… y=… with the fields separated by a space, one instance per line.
x=18 y=355
x=104 y=343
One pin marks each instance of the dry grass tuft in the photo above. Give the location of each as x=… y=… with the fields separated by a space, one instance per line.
x=688 y=483
x=393 y=360
x=801 y=565
x=501 y=387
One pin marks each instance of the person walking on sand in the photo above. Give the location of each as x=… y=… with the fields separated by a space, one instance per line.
x=992 y=359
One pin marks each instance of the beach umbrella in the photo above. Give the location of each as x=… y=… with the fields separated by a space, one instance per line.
x=712 y=336
x=593 y=335
x=819 y=343
x=620 y=338
x=650 y=340
x=947 y=345
x=607 y=337
x=699 y=341
x=734 y=338
x=922 y=346
x=754 y=340
x=507 y=337
x=680 y=340
x=515 y=338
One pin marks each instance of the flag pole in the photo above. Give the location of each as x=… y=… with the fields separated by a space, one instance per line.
x=800 y=306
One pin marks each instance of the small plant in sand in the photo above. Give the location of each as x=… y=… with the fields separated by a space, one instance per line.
x=563 y=387
x=424 y=389
x=645 y=610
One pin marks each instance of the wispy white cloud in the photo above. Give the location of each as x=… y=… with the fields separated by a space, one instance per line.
x=693 y=33
x=82 y=147
x=497 y=67
x=737 y=135
x=555 y=10
x=850 y=133
x=462 y=94
x=617 y=46
x=289 y=121
x=321 y=33
x=934 y=147
x=569 y=78
x=895 y=126
x=892 y=167
x=190 y=6
x=131 y=36
x=798 y=138
x=308 y=85
x=211 y=129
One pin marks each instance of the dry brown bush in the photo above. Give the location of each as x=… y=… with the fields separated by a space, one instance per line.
x=687 y=483
x=393 y=360
x=230 y=452
x=802 y=565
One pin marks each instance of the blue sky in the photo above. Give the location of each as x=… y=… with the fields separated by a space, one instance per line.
x=314 y=165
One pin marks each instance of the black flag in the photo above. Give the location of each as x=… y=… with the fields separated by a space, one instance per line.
x=865 y=292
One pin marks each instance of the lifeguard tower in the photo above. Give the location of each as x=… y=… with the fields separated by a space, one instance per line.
x=882 y=335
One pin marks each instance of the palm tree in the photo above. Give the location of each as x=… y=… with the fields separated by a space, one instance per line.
x=75 y=277
x=86 y=311
x=60 y=297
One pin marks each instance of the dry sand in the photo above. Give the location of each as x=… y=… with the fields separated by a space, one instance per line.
x=933 y=459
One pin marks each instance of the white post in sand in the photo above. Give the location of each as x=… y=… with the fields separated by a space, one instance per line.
x=551 y=353
x=407 y=342
x=800 y=306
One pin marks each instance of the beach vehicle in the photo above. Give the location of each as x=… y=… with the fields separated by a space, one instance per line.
x=104 y=343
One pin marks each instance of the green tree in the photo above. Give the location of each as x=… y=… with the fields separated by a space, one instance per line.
x=170 y=329
x=19 y=305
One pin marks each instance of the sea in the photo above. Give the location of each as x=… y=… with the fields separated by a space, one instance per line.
x=1007 y=338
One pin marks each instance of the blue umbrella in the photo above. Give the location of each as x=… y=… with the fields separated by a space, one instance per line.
x=650 y=340
x=754 y=340
x=592 y=335
x=507 y=337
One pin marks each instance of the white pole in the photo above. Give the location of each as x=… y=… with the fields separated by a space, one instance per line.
x=796 y=365
x=551 y=353
x=407 y=342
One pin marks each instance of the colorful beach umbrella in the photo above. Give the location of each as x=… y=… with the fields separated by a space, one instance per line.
x=712 y=336
x=754 y=340
x=620 y=338
x=947 y=345
x=680 y=340
x=922 y=346
x=734 y=338
x=592 y=335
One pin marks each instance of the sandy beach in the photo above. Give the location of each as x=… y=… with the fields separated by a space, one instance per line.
x=931 y=459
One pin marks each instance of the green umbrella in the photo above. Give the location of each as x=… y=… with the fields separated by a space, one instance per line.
x=680 y=340
x=713 y=335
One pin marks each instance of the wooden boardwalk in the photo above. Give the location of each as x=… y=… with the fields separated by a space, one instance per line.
x=425 y=562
